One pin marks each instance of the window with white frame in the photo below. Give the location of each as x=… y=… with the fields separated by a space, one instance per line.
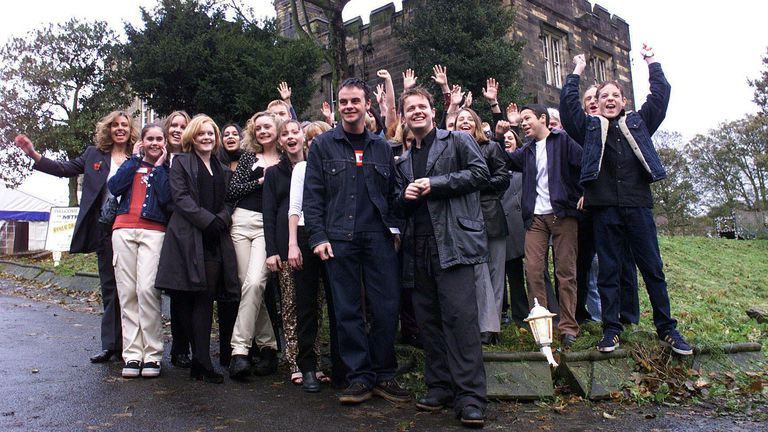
x=600 y=67
x=552 y=46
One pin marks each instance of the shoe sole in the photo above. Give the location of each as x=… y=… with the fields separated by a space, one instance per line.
x=429 y=408
x=607 y=349
x=356 y=399
x=473 y=423
x=150 y=373
x=131 y=374
x=390 y=397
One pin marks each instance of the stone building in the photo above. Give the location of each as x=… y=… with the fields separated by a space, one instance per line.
x=554 y=31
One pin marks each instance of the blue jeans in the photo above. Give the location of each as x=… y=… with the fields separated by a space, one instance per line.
x=635 y=225
x=364 y=280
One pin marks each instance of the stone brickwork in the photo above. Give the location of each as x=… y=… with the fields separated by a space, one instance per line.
x=580 y=28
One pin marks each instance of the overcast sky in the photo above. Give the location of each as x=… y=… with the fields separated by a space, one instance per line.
x=708 y=50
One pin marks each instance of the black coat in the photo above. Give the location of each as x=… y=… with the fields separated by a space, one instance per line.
x=514 y=214
x=490 y=194
x=94 y=165
x=275 y=201
x=182 y=262
x=457 y=171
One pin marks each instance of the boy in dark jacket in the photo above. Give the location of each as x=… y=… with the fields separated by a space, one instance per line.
x=618 y=166
x=550 y=164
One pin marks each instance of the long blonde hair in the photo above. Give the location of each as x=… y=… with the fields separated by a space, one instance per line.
x=103 y=135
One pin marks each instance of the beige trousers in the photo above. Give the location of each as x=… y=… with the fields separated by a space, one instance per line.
x=252 y=317
x=136 y=256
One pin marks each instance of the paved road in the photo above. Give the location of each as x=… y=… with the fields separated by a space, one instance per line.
x=47 y=384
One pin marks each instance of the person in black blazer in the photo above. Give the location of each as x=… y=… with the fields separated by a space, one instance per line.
x=197 y=263
x=113 y=140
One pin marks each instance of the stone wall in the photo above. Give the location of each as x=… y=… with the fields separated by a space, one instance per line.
x=582 y=28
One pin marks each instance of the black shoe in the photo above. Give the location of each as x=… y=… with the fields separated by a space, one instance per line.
x=609 y=342
x=356 y=393
x=181 y=360
x=201 y=373
x=391 y=391
x=267 y=363
x=472 y=416
x=505 y=319
x=489 y=338
x=132 y=369
x=431 y=403
x=566 y=341
x=309 y=382
x=676 y=341
x=103 y=356
x=239 y=367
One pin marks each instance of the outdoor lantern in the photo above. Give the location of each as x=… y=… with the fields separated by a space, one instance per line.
x=540 y=320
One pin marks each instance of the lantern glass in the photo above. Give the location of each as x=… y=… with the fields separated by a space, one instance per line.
x=542 y=330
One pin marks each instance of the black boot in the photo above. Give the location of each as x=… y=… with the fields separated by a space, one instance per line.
x=267 y=363
x=202 y=373
x=239 y=367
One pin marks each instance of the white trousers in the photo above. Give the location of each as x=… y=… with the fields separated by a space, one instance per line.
x=136 y=256
x=252 y=316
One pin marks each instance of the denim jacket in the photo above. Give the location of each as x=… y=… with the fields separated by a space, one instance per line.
x=637 y=127
x=158 y=198
x=330 y=185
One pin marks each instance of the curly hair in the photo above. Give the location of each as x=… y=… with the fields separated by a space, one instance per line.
x=249 y=142
x=102 y=138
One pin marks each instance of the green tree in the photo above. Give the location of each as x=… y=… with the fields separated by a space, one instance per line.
x=674 y=197
x=189 y=56
x=470 y=38
x=761 y=87
x=57 y=82
x=731 y=163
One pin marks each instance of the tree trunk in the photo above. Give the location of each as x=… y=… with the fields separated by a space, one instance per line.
x=73 y=191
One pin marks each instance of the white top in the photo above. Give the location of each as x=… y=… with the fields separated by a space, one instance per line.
x=543 y=205
x=296 y=200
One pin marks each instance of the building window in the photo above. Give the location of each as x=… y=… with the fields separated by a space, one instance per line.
x=600 y=66
x=552 y=48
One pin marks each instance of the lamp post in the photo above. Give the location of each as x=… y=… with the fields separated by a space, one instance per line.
x=540 y=321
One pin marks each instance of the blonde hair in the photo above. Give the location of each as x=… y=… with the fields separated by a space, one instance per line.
x=169 y=119
x=103 y=135
x=279 y=102
x=312 y=130
x=194 y=126
x=249 y=142
x=478 y=135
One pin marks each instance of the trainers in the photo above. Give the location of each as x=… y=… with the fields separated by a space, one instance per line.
x=150 y=370
x=356 y=393
x=608 y=343
x=391 y=391
x=132 y=369
x=677 y=343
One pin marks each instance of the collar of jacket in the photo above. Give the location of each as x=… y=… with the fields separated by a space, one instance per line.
x=340 y=135
x=605 y=123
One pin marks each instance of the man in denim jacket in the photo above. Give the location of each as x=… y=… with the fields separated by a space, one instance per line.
x=348 y=192
x=618 y=165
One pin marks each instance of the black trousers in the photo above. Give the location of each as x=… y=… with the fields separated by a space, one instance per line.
x=227 y=315
x=516 y=299
x=195 y=309
x=179 y=340
x=308 y=315
x=111 y=327
x=446 y=311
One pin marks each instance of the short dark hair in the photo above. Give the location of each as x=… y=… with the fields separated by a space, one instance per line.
x=415 y=91
x=538 y=110
x=357 y=83
x=602 y=85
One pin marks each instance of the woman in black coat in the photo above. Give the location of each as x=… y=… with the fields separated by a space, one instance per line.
x=197 y=264
x=113 y=140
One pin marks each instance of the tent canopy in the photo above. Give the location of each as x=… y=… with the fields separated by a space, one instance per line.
x=20 y=206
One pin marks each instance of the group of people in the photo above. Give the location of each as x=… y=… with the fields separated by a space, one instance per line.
x=390 y=215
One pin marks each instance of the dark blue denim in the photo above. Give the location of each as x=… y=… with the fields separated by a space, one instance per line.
x=635 y=225
x=365 y=270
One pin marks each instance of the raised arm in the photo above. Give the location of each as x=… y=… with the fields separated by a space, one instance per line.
x=654 y=110
x=572 y=115
x=68 y=168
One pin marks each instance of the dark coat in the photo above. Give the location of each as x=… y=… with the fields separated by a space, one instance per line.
x=94 y=165
x=182 y=263
x=457 y=171
x=490 y=194
x=563 y=169
x=277 y=191
x=514 y=215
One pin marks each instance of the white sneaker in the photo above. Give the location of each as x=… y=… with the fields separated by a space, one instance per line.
x=132 y=369
x=150 y=370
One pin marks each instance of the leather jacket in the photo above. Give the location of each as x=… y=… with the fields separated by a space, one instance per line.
x=457 y=172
